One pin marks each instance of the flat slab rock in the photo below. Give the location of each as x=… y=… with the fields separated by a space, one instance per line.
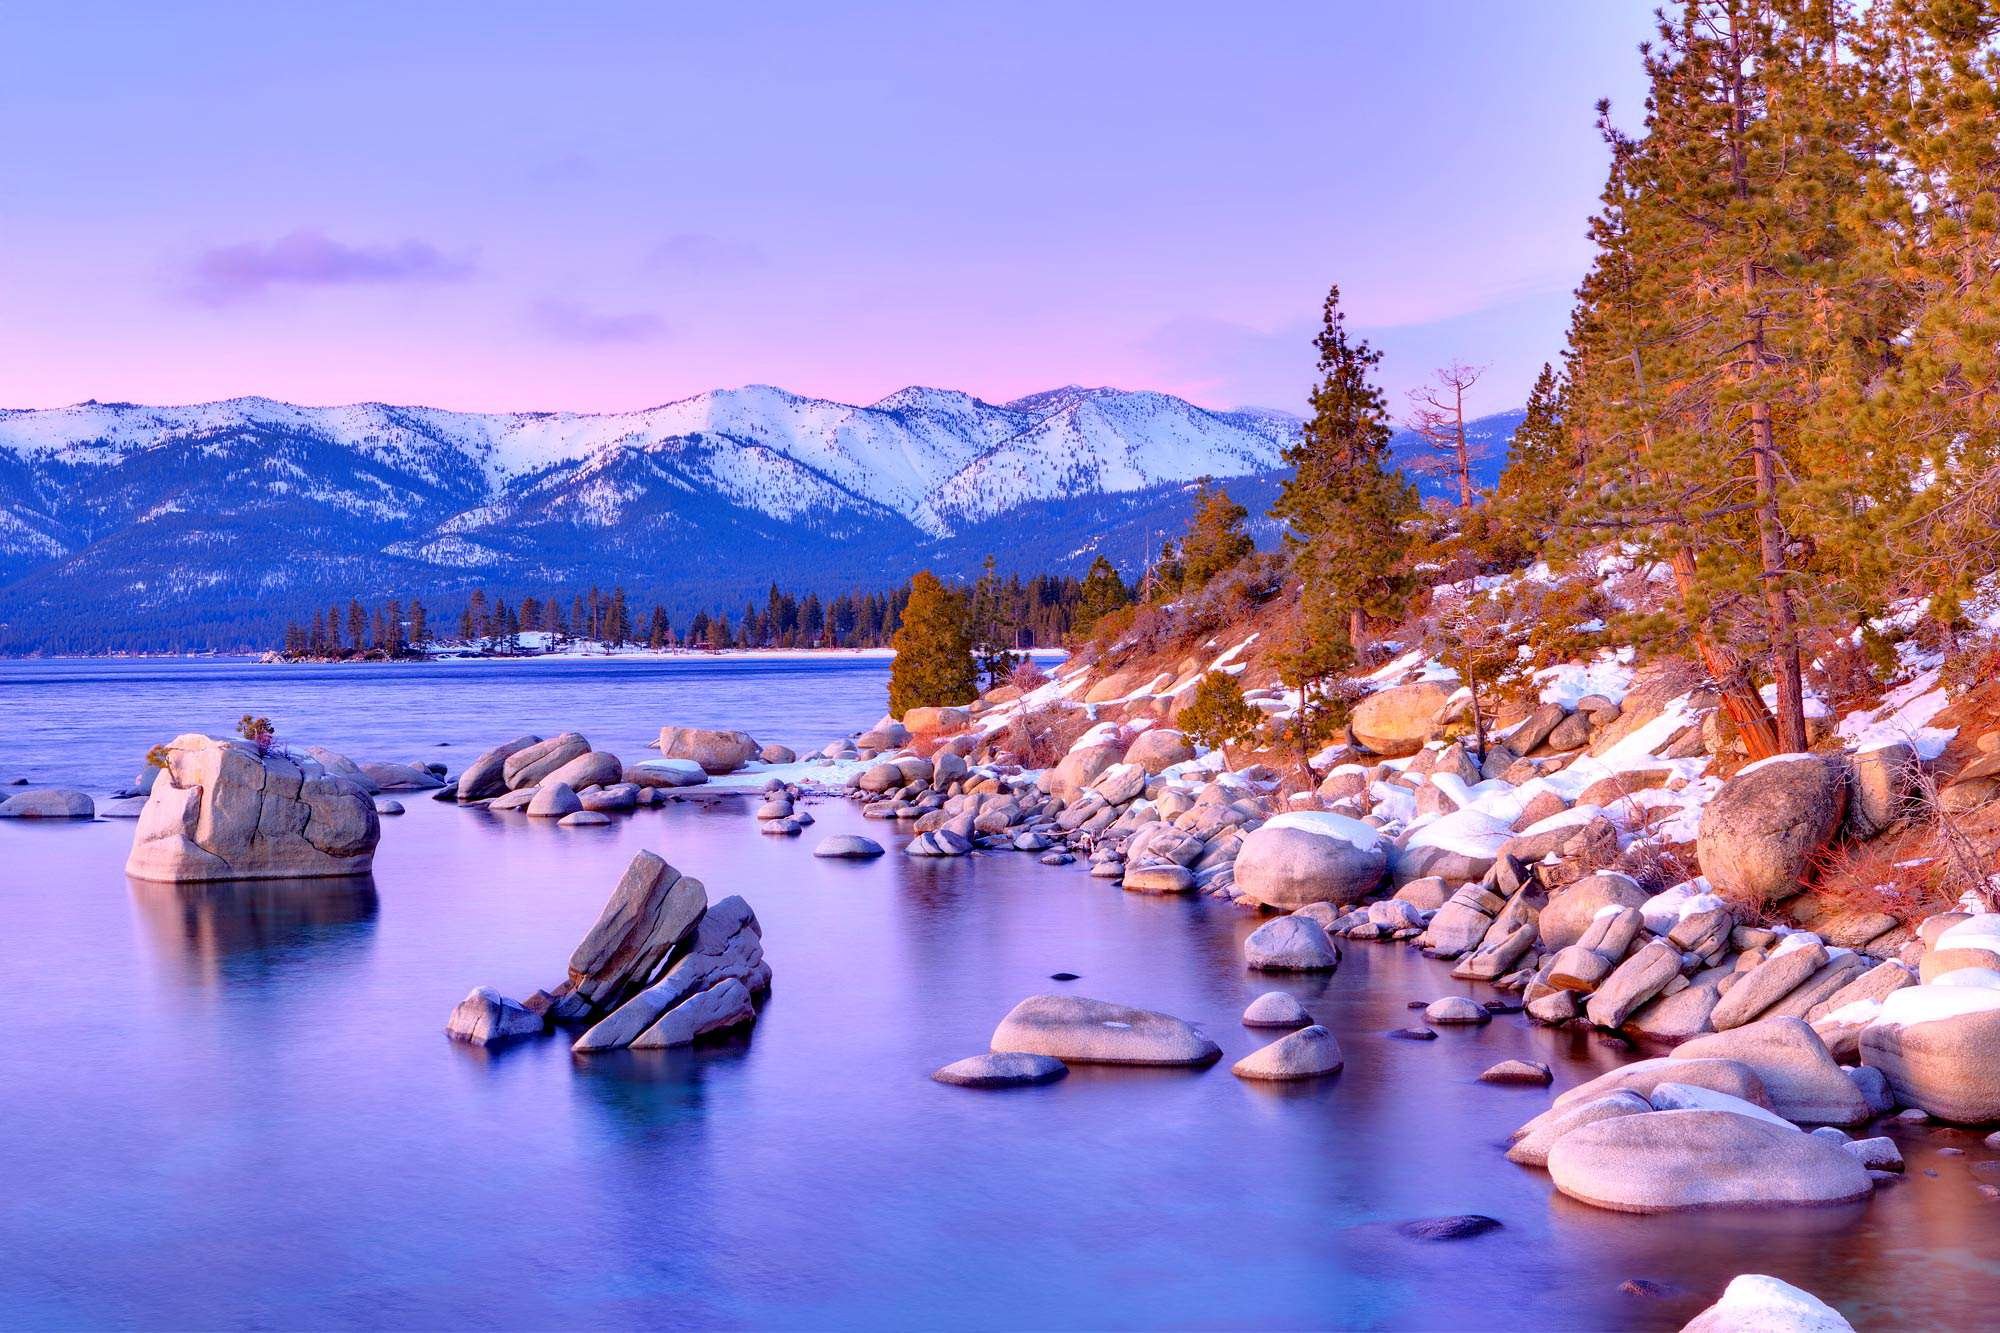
x=1002 y=1069
x=1081 y=1030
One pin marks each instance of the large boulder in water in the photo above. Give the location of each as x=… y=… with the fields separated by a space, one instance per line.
x=1310 y=856
x=527 y=767
x=716 y=751
x=486 y=776
x=1397 y=721
x=1761 y=832
x=1667 y=1161
x=653 y=909
x=1079 y=1030
x=726 y=944
x=228 y=809
x=593 y=768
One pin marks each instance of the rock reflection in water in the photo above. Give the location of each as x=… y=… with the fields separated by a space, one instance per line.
x=217 y=929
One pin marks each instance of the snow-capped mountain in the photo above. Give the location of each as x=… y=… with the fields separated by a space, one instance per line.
x=168 y=518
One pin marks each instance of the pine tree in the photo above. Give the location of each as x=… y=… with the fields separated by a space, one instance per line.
x=420 y=625
x=617 y=620
x=1724 y=321
x=1345 y=505
x=933 y=664
x=1218 y=715
x=1102 y=593
x=1216 y=538
x=357 y=625
x=1539 y=482
x=1163 y=580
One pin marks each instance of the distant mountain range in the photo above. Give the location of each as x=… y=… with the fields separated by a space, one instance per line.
x=130 y=527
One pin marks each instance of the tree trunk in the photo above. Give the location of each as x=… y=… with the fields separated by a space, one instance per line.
x=1778 y=610
x=1740 y=699
x=1464 y=450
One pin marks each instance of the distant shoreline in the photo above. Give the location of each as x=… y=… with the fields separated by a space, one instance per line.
x=605 y=655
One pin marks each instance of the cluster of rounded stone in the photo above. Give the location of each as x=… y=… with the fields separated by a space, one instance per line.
x=564 y=779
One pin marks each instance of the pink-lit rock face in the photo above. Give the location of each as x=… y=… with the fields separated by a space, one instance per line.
x=225 y=809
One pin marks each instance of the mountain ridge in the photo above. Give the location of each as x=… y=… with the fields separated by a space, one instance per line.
x=204 y=524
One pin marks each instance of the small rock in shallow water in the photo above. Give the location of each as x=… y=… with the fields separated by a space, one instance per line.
x=1456 y=1009
x=1913 y=1116
x=1064 y=976
x=1531 y=1072
x=1449 y=1228
x=1308 y=1053
x=1646 y=1287
x=487 y=1018
x=1413 y=1034
x=1951 y=1152
x=583 y=819
x=386 y=806
x=848 y=846
x=1056 y=859
x=1276 y=1009
x=1002 y=1069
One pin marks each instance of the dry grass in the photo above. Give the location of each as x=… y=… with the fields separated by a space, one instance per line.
x=1889 y=874
x=1041 y=736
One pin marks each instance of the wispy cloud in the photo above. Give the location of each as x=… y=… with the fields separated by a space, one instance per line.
x=567 y=321
x=704 y=252
x=308 y=258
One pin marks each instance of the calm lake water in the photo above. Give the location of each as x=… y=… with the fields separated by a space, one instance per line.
x=234 y=1106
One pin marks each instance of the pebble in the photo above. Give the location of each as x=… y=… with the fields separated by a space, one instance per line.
x=1064 y=976
x=1414 y=1034
x=1913 y=1116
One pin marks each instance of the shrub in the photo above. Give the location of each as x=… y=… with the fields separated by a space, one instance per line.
x=1041 y=736
x=257 y=730
x=1218 y=715
x=1027 y=677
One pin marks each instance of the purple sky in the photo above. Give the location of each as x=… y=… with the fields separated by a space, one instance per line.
x=607 y=206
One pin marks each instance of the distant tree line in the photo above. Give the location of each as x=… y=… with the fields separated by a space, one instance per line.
x=1002 y=615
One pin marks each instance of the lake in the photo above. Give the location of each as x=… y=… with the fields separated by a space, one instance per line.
x=234 y=1107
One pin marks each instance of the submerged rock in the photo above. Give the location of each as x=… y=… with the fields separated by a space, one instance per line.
x=1002 y=1069
x=1449 y=1228
x=724 y=1005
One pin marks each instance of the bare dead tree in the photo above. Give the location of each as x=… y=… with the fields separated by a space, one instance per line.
x=1437 y=415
